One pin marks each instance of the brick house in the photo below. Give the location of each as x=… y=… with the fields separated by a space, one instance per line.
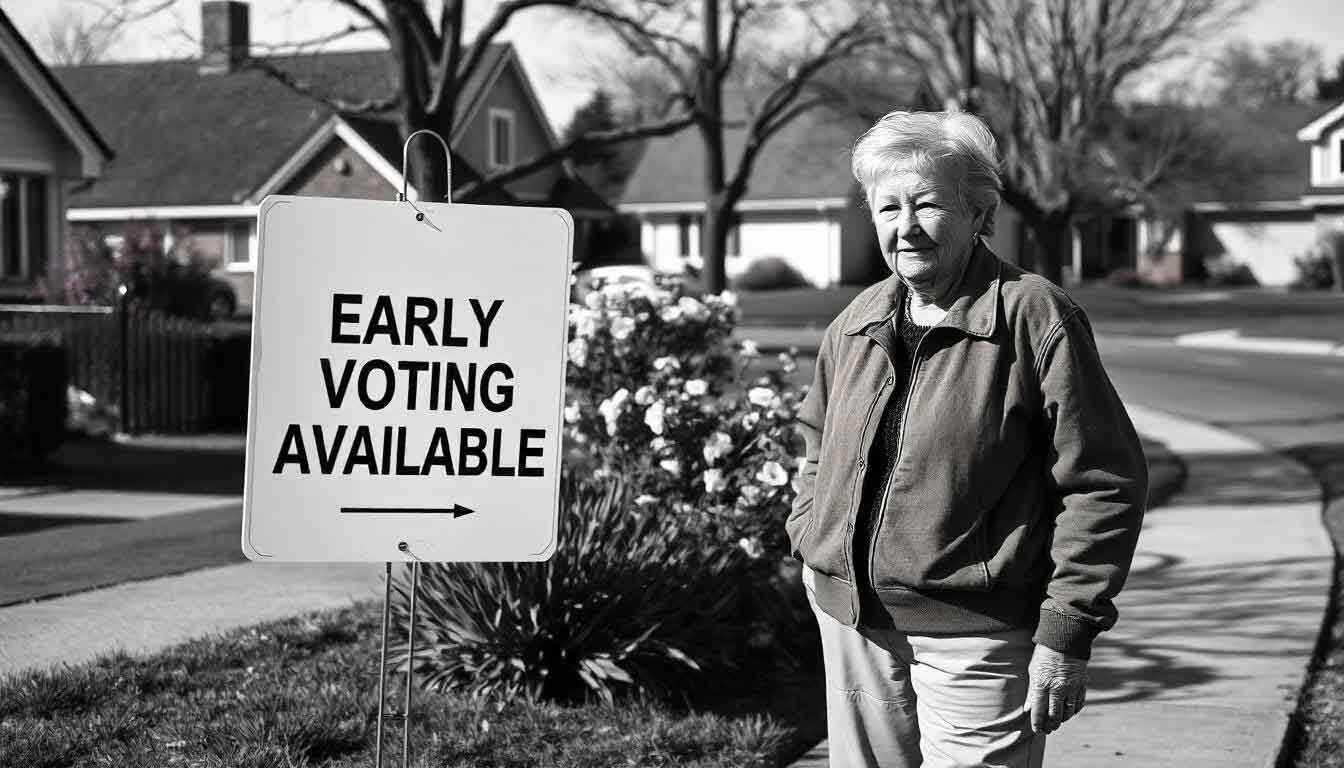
x=205 y=140
x=46 y=141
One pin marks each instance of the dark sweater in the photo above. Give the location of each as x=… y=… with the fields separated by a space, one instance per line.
x=882 y=459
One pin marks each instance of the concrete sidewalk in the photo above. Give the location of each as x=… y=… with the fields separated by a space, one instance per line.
x=1218 y=619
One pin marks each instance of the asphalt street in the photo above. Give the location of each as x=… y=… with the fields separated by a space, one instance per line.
x=1289 y=402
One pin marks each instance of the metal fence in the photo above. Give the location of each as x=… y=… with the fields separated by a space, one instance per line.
x=155 y=368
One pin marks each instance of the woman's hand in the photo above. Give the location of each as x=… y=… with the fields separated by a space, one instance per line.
x=1057 y=690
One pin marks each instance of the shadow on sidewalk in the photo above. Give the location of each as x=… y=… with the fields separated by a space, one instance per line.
x=96 y=465
x=1220 y=598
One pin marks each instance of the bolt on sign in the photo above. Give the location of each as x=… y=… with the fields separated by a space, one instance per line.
x=407 y=381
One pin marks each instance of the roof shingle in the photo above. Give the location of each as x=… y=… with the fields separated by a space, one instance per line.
x=184 y=138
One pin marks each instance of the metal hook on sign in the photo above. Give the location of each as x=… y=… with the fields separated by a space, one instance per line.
x=448 y=165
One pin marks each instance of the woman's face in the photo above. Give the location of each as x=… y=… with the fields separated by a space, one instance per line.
x=925 y=234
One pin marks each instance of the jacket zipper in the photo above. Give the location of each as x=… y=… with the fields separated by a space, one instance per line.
x=900 y=443
x=854 y=598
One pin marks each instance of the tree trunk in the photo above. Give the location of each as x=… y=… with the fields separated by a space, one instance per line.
x=714 y=242
x=427 y=169
x=1054 y=246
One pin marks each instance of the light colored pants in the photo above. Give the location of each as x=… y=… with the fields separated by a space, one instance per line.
x=898 y=700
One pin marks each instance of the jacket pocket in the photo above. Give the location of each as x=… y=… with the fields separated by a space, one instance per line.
x=933 y=552
x=796 y=527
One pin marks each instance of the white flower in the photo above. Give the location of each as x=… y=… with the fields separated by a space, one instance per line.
x=572 y=412
x=750 y=419
x=654 y=417
x=771 y=473
x=787 y=363
x=585 y=323
x=751 y=494
x=762 y=396
x=751 y=546
x=645 y=499
x=611 y=408
x=667 y=362
x=671 y=466
x=670 y=314
x=749 y=348
x=595 y=300
x=645 y=395
x=718 y=445
x=578 y=352
x=692 y=308
x=622 y=327
x=658 y=444
x=714 y=481
x=728 y=298
x=696 y=387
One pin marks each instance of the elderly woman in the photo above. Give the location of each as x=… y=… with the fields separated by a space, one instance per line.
x=973 y=488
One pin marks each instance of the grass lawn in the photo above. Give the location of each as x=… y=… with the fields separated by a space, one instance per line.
x=303 y=693
x=1160 y=312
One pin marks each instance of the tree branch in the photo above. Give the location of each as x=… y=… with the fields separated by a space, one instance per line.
x=575 y=146
x=364 y=12
x=303 y=88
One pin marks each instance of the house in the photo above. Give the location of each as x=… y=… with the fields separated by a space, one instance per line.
x=1281 y=216
x=802 y=205
x=46 y=141
x=205 y=140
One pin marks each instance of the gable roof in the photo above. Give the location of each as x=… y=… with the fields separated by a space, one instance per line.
x=63 y=110
x=1316 y=128
x=193 y=139
x=807 y=160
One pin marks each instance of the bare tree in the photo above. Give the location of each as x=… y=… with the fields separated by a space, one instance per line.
x=83 y=33
x=700 y=50
x=1281 y=72
x=431 y=62
x=1047 y=85
x=694 y=46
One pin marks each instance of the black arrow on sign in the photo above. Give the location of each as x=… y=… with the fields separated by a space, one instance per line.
x=457 y=510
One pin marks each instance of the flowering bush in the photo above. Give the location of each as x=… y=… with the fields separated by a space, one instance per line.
x=678 y=480
x=658 y=393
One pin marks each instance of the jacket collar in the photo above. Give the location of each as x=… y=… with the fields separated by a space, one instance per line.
x=974 y=310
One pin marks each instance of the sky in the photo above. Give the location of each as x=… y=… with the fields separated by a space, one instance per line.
x=559 y=56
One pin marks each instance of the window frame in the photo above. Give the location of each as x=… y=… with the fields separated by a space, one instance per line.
x=501 y=116
x=25 y=185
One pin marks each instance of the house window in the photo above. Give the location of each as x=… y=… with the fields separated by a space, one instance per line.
x=1339 y=156
x=684 y=236
x=23 y=224
x=239 y=246
x=501 y=138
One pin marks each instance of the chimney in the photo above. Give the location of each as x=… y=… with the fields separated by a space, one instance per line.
x=224 y=36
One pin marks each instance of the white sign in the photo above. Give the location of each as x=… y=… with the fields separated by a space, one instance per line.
x=407 y=381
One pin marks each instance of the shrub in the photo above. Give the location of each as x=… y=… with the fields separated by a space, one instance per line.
x=627 y=604
x=770 y=273
x=672 y=559
x=1226 y=273
x=33 y=381
x=1322 y=267
x=656 y=395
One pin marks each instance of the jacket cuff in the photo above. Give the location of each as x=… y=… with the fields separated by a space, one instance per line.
x=1071 y=637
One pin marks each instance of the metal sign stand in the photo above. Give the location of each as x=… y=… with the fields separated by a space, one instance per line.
x=403 y=717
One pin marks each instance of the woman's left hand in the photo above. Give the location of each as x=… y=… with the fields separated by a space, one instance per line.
x=1057 y=690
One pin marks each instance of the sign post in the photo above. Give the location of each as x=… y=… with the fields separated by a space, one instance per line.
x=407 y=386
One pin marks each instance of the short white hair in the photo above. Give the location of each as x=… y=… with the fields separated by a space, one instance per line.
x=954 y=142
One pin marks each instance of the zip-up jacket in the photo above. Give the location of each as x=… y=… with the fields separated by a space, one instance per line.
x=1019 y=483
